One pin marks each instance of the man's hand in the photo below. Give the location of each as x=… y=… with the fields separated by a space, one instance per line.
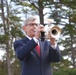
x=52 y=40
x=38 y=31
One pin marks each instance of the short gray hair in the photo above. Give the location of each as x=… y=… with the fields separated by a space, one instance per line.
x=29 y=20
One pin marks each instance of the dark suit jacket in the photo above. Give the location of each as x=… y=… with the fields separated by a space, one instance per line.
x=31 y=63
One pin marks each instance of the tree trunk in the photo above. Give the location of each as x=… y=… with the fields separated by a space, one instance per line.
x=41 y=7
x=6 y=33
x=73 y=58
x=8 y=59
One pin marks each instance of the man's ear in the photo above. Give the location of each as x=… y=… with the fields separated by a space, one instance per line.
x=24 y=27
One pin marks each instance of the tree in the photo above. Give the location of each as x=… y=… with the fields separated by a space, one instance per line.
x=10 y=32
x=69 y=30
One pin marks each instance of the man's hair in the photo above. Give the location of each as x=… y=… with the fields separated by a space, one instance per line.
x=30 y=19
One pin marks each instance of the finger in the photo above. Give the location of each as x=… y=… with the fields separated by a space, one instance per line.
x=41 y=26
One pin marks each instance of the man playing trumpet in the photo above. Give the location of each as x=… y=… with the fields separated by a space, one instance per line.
x=36 y=55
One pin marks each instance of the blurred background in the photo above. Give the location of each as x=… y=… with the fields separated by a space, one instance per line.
x=12 y=15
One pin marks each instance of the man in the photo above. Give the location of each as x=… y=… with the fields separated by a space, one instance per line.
x=35 y=62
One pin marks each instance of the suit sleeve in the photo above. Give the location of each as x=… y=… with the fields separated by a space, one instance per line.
x=23 y=49
x=55 y=54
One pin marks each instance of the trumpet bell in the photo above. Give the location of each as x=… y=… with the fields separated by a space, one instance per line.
x=55 y=32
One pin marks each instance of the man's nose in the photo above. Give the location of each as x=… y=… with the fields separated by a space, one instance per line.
x=35 y=26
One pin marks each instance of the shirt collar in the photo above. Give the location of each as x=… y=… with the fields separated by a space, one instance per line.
x=28 y=37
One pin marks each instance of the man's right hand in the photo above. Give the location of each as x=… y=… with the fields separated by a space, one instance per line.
x=38 y=31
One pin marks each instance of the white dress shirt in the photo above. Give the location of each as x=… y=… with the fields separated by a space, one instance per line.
x=36 y=40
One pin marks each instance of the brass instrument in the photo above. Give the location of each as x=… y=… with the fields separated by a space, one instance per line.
x=53 y=31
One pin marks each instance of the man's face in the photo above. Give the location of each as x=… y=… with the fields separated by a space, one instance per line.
x=30 y=28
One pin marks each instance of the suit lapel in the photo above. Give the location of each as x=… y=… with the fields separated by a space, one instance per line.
x=35 y=51
x=41 y=46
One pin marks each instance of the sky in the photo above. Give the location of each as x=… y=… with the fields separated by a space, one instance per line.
x=1 y=54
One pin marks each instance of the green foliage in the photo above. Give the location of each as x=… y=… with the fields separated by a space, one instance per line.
x=3 y=39
x=70 y=29
x=70 y=3
x=63 y=64
x=3 y=68
x=60 y=73
x=15 y=18
x=0 y=25
x=16 y=32
x=16 y=67
x=65 y=72
x=73 y=17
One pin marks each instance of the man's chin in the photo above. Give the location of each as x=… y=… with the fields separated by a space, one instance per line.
x=33 y=35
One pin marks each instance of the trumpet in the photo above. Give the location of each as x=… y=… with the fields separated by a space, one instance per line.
x=53 y=31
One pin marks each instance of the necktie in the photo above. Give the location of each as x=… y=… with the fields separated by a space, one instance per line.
x=38 y=49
